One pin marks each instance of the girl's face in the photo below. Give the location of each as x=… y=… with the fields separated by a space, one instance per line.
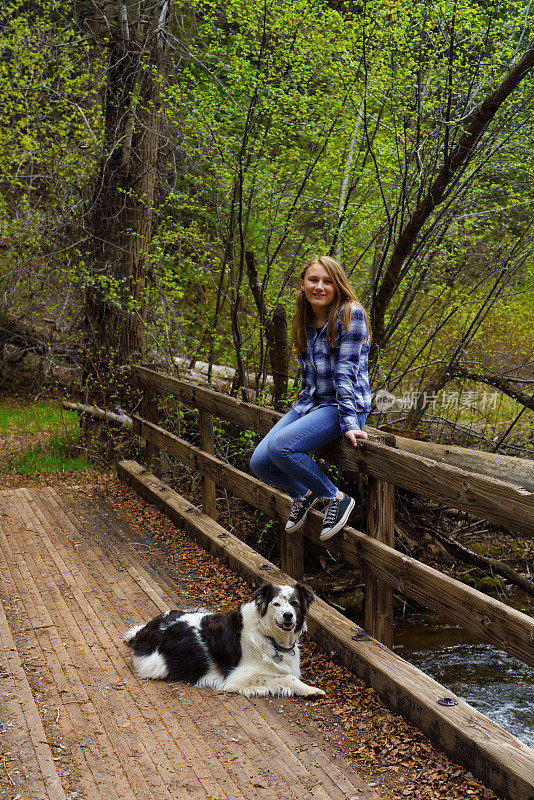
x=319 y=288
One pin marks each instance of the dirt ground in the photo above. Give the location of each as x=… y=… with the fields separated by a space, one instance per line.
x=14 y=443
x=390 y=755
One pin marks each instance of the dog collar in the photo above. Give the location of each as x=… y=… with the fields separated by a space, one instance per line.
x=279 y=648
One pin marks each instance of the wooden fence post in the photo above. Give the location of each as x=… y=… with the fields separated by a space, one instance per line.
x=381 y=526
x=207 y=444
x=292 y=552
x=151 y=413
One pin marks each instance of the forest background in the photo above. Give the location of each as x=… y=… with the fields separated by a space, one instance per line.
x=167 y=167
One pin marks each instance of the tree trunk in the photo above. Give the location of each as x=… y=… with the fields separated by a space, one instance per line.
x=120 y=218
x=275 y=326
x=276 y=335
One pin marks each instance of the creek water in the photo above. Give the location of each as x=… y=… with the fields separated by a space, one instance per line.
x=497 y=685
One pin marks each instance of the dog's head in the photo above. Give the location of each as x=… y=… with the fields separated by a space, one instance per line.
x=283 y=607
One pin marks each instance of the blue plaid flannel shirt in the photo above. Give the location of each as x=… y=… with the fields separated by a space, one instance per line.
x=336 y=376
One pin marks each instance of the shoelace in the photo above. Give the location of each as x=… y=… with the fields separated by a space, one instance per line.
x=297 y=506
x=331 y=512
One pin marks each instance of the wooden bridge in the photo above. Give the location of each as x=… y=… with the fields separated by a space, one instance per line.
x=74 y=575
x=76 y=723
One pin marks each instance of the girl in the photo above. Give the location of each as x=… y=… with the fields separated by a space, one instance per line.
x=331 y=334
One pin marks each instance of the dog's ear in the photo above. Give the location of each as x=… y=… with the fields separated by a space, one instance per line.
x=262 y=597
x=306 y=597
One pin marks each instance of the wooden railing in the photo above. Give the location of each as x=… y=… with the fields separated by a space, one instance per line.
x=386 y=569
x=499 y=759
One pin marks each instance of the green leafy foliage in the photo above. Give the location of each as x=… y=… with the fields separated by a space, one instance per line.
x=289 y=129
x=49 y=136
x=305 y=128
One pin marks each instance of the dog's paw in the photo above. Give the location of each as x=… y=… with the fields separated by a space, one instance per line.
x=312 y=691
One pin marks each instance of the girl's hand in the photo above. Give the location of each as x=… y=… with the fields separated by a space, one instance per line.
x=355 y=436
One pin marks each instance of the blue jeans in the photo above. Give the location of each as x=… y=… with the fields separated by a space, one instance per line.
x=281 y=458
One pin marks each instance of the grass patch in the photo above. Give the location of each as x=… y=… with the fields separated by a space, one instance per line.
x=56 y=455
x=59 y=453
x=45 y=415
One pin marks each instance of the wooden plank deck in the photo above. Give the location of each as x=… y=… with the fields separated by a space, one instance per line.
x=80 y=724
x=495 y=756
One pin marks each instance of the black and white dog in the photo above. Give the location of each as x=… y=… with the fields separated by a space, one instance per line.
x=252 y=650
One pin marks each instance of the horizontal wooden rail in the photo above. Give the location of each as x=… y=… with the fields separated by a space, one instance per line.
x=500 y=760
x=491 y=620
x=497 y=501
x=245 y=415
x=511 y=469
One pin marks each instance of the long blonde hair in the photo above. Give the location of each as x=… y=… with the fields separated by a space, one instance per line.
x=344 y=297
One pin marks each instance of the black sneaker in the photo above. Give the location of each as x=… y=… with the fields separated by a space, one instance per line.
x=299 y=512
x=336 y=516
